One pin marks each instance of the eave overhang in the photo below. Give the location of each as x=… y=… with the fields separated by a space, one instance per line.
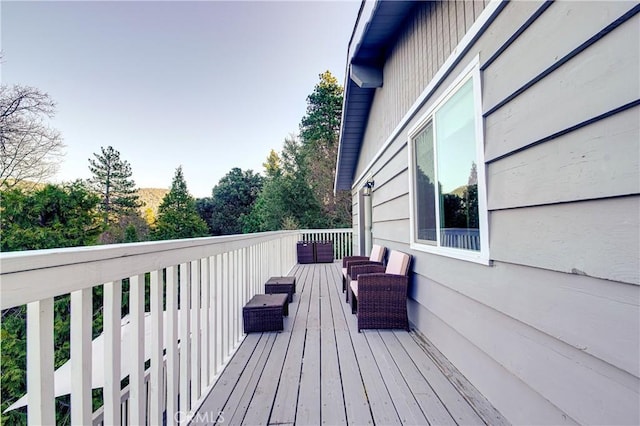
x=374 y=34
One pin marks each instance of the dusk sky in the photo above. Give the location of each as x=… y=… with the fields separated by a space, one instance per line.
x=207 y=85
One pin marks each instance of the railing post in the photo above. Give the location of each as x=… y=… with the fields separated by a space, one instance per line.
x=157 y=361
x=112 y=336
x=136 y=377
x=81 y=365
x=40 y=362
x=204 y=320
x=173 y=366
x=185 y=344
x=195 y=330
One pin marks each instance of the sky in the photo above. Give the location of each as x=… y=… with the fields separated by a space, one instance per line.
x=206 y=85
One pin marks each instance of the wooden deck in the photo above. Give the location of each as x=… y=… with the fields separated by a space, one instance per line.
x=320 y=370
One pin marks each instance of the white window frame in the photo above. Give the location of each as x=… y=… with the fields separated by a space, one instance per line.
x=471 y=72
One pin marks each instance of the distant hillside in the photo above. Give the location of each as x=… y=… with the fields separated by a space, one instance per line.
x=151 y=198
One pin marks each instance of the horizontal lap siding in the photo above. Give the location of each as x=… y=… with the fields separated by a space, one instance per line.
x=549 y=333
x=581 y=165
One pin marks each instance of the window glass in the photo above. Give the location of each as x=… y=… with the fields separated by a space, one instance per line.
x=457 y=174
x=425 y=188
x=444 y=151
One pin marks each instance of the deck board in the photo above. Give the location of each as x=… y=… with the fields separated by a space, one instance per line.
x=320 y=370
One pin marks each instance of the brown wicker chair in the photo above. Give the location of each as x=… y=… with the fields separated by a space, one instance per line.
x=348 y=262
x=379 y=295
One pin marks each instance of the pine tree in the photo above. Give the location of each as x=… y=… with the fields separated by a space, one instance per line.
x=112 y=181
x=177 y=215
x=319 y=132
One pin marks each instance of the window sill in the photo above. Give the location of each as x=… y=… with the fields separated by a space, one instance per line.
x=479 y=257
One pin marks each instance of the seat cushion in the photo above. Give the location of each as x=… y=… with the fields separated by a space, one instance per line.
x=398 y=263
x=354 y=288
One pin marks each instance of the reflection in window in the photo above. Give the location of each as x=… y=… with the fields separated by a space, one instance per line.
x=445 y=152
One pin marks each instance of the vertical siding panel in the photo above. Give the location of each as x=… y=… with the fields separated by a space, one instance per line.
x=460 y=24
x=468 y=14
x=433 y=49
x=478 y=7
x=421 y=49
x=453 y=31
x=439 y=36
x=446 y=42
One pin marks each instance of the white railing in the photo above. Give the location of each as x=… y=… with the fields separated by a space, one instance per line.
x=213 y=277
x=342 y=239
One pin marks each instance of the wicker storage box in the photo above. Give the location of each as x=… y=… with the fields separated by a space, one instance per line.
x=324 y=251
x=281 y=285
x=305 y=252
x=264 y=312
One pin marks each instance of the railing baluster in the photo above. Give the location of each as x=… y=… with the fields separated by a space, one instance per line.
x=40 y=362
x=211 y=318
x=234 y=300
x=195 y=330
x=219 y=322
x=185 y=345
x=224 y=308
x=81 y=320
x=204 y=321
x=112 y=345
x=136 y=377
x=173 y=365
x=157 y=336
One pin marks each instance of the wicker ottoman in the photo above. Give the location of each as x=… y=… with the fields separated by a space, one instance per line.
x=264 y=312
x=324 y=251
x=281 y=285
x=305 y=252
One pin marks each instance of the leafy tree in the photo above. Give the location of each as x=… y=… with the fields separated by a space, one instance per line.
x=287 y=200
x=205 y=208
x=232 y=199
x=30 y=150
x=128 y=229
x=54 y=216
x=177 y=215
x=112 y=180
x=51 y=217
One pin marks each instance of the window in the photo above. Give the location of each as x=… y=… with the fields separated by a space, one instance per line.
x=447 y=190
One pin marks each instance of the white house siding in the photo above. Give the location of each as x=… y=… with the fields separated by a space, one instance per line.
x=550 y=332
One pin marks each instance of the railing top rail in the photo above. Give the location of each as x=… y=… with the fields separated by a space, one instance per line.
x=327 y=231
x=28 y=276
x=36 y=259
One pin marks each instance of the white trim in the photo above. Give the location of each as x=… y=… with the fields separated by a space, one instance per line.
x=487 y=15
x=470 y=72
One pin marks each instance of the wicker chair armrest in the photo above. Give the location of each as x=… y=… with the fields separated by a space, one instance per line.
x=367 y=268
x=378 y=281
x=350 y=258
x=353 y=263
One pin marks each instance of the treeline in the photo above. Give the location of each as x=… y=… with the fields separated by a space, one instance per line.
x=295 y=191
